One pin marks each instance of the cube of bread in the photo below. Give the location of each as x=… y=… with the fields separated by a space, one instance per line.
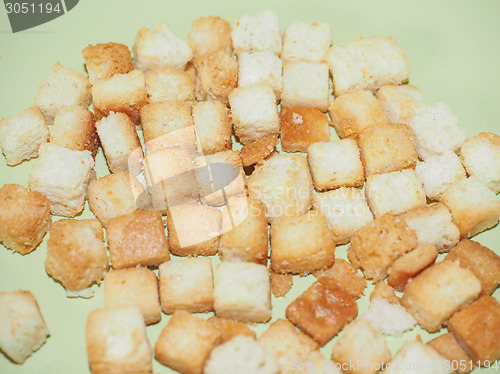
x=106 y=59
x=242 y=291
x=482 y=261
x=395 y=192
x=210 y=34
x=353 y=112
x=383 y=291
x=259 y=32
x=388 y=318
x=322 y=310
x=185 y=343
x=117 y=341
x=165 y=83
x=386 y=148
x=260 y=67
x=217 y=75
x=481 y=157
x=306 y=41
x=254 y=112
x=477 y=327
x=213 y=126
x=367 y=64
x=335 y=164
x=435 y=130
x=230 y=329
x=375 y=247
x=280 y=283
x=283 y=184
x=301 y=244
x=346 y=276
x=473 y=206
x=24 y=218
x=256 y=151
x=305 y=84
x=318 y=362
x=22 y=134
x=448 y=347
x=433 y=295
x=22 y=327
x=63 y=176
x=62 y=87
x=301 y=127
x=137 y=239
x=160 y=47
x=400 y=103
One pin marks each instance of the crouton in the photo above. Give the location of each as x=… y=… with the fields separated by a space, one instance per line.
x=217 y=75
x=230 y=329
x=106 y=59
x=166 y=83
x=213 y=126
x=301 y=127
x=383 y=291
x=256 y=151
x=387 y=317
x=448 y=347
x=306 y=41
x=210 y=34
x=280 y=283
x=259 y=32
x=400 y=103
x=346 y=276
x=260 y=67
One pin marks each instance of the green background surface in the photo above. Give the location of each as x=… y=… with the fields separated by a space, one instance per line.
x=452 y=47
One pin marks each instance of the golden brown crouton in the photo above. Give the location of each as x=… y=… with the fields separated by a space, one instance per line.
x=384 y=291
x=229 y=328
x=256 y=151
x=217 y=75
x=210 y=34
x=281 y=283
x=106 y=59
x=448 y=347
x=346 y=276
x=301 y=127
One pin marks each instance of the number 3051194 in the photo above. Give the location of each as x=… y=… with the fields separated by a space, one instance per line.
x=24 y=8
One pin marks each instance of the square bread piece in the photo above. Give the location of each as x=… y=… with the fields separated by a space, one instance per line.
x=481 y=157
x=482 y=261
x=301 y=244
x=322 y=310
x=367 y=64
x=345 y=210
x=134 y=286
x=186 y=342
x=284 y=184
x=386 y=148
x=210 y=34
x=320 y=364
x=361 y=342
x=301 y=127
x=254 y=112
x=375 y=247
x=395 y=192
x=22 y=134
x=259 y=32
x=213 y=126
x=63 y=176
x=474 y=206
x=346 y=276
x=477 y=327
x=117 y=341
x=433 y=295
x=165 y=83
x=229 y=328
x=242 y=291
x=76 y=253
x=106 y=59
x=448 y=347
x=187 y=284
x=62 y=87
x=335 y=164
x=24 y=218
x=137 y=239
x=22 y=327
x=400 y=103
x=258 y=150
x=306 y=41
x=353 y=112
x=305 y=84
x=260 y=67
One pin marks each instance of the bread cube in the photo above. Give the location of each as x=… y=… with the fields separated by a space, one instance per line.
x=117 y=341
x=395 y=192
x=367 y=64
x=186 y=342
x=280 y=283
x=283 y=184
x=22 y=134
x=317 y=361
x=217 y=75
x=305 y=84
x=448 y=347
x=210 y=34
x=477 y=327
x=481 y=157
x=62 y=87
x=63 y=176
x=322 y=310
x=375 y=247
x=482 y=261
x=433 y=295
x=22 y=327
x=414 y=357
x=400 y=103
x=335 y=164
x=242 y=291
x=306 y=41
x=213 y=126
x=353 y=112
x=229 y=328
x=383 y=291
x=346 y=276
x=137 y=239
x=106 y=59
x=387 y=317
x=254 y=112
x=165 y=83
x=259 y=32
x=256 y=151
x=24 y=218
x=473 y=206
x=301 y=127
x=260 y=67
x=301 y=244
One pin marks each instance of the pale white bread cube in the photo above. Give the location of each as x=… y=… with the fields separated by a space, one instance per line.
x=160 y=47
x=400 y=103
x=260 y=67
x=435 y=130
x=22 y=134
x=259 y=32
x=213 y=126
x=367 y=64
x=306 y=41
x=388 y=318
x=167 y=83
x=22 y=327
